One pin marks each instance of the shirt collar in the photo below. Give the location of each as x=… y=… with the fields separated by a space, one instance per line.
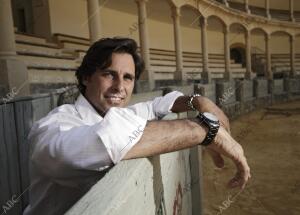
x=88 y=114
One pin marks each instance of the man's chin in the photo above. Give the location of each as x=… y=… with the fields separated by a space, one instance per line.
x=116 y=104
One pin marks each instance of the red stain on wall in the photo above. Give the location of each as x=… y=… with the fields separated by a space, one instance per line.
x=177 y=205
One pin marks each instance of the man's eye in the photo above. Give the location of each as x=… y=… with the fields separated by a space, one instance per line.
x=108 y=75
x=130 y=78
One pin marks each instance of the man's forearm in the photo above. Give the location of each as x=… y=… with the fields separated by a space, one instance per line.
x=167 y=136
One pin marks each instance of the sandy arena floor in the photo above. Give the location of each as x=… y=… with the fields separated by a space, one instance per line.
x=272 y=146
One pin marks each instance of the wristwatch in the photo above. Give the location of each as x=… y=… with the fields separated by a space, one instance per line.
x=213 y=124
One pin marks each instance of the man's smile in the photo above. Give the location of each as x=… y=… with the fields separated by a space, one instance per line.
x=114 y=98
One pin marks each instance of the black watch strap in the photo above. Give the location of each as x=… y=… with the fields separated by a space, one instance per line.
x=213 y=127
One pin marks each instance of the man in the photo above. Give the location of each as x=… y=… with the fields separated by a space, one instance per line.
x=74 y=145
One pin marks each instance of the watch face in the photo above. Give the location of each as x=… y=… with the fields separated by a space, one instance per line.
x=210 y=116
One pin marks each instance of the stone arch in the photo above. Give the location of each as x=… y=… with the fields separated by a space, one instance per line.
x=238 y=25
x=258 y=29
x=217 y=18
x=281 y=32
x=258 y=37
x=191 y=19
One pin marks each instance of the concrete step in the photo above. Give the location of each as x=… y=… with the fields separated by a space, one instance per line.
x=284 y=55
x=70 y=38
x=41 y=50
x=283 y=61
x=72 y=46
x=192 y=64
x=284 y=64
x=238 y=70
x=47 y=62
x=185 y=54
x=51 y=76
x=170 y=76
x=278 y=56
x=173 y=63
x=31 y=39
x=172 y=68
x=163 y=76
x=186 y=59
x=277 y=70
x=192 y=70
x=163 y=69
x=215 y=75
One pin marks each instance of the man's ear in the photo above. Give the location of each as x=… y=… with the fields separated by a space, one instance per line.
x=85 y=80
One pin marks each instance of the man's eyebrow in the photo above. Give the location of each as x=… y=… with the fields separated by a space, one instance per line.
x=114 y=71
x=109 y=70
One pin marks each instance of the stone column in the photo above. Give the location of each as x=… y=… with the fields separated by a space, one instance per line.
x=248 y=54
x=228 y=74
x=206 y=76
x=269 y=72
x=268 y=15
x=13 y=72
x=179 y=74
x=292 y=11
x=144 y=42
x=247 y=9
x=94 y=20
x=7 y=35
x=292 y=56
x=226 y=3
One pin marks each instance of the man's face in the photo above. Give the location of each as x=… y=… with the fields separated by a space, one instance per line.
x=113 y=86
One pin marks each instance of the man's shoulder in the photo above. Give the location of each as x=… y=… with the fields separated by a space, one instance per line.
x=63 y=113
x=66 y=109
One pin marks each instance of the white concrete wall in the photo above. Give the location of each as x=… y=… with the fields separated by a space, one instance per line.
x=69 y=17
x=280 y=44
x=117 y=23
x=258 y=43
x=141 y=186
x=41 y=19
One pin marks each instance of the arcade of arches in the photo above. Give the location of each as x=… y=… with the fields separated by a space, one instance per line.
x=42 y=42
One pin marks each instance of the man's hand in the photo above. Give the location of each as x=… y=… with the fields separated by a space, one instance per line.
x=224 y=144
x=204 y=104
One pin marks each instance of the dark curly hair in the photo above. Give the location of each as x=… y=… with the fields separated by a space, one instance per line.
x=99 y=56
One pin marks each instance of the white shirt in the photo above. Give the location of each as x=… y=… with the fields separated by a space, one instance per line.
x=73 y=147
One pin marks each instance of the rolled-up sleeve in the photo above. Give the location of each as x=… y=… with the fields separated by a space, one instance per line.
x=157 y=108
x=61 y=146
x=119 y=131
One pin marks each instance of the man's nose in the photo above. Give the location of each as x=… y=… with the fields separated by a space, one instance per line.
x=118 y=84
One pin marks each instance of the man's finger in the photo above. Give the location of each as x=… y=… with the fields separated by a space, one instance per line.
x=217 y=158
x=243 y=172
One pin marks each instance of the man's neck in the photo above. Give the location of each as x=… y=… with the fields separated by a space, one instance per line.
x=98 y=110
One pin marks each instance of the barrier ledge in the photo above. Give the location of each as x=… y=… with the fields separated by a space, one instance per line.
x=157 y=185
